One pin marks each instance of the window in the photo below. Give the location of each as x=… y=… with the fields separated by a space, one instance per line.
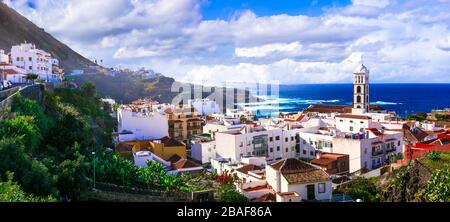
x=277 y=138
x=278 y=148
x=304 y=152
x=270 y=139
x=365 y=151
x=321 y=188
x=286 y=139
x=398 y=143
x=351 y=128
x=18 y=59
x=292 y=138
x=362 y=122
x=351 y=121
x=311 y=153
x=242 y=144
x=271 y=150
x=341 y=120
x=287 y=150
x=304 y=141
x=30 y=59
x=30 y=67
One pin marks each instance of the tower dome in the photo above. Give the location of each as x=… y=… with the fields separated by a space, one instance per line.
x=361 y=69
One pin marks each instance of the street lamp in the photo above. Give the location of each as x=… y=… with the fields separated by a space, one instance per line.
x=93 y=154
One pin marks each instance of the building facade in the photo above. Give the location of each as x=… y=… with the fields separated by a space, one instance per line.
x=139 y=121
x=32 y=60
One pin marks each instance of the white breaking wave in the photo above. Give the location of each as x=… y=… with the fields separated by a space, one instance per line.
x=270 y=101
x=385 y=103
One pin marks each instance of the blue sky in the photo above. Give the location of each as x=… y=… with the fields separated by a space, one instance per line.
x=220 y=9
x=286 y=41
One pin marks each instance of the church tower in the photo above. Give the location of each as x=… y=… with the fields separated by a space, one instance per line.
x=361 y=90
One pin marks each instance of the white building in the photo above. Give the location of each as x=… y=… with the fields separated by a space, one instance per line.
x=294 y=180
x=142 y=157
x=273 y=144
x=4 y=58
x=203 y=150
x=33 y=60
x=236 y=113
x=221 y=123
x=205 y=106
x=139 y=121
x=361 y=90
x=369 y=149
x=12 y=73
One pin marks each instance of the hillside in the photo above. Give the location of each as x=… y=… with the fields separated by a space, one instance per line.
x=127 y=87
x=15 y=29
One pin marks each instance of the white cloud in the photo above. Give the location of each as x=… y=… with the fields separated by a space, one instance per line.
x=406 y=41
x=290 y=49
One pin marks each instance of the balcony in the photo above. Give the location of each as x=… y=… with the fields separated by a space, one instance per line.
x=391 y=149
x=377 y=152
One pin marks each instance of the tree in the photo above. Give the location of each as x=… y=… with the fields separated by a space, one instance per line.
x=38 y=180
x=24 y=128
x=13 y=157
x=417 y=116
x=88 y=89
x=11 y=192
x=31 y=77
x=26 y=107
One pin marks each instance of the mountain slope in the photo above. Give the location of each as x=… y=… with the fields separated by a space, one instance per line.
x=15 y=29
x=127 y=87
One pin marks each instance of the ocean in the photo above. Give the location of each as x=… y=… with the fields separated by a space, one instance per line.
x=404 y=99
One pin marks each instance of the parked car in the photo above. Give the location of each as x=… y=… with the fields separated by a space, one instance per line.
x=6 y=84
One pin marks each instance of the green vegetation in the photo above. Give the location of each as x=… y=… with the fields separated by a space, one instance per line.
x=12 y=192
x=442 y=117
x=360 y=188
x=46 y=145
x=226 y=190
x=438 y=189
x=417 y=116
x=436 y=160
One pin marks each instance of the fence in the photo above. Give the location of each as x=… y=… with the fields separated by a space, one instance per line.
x=111 y=192
x=412 y=153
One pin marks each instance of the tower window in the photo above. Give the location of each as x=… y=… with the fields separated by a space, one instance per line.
x=358 y=89
x=358 y=99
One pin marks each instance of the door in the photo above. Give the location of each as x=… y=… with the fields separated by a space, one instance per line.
x=311 y=191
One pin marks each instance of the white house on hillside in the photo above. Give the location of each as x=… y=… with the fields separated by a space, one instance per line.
x=138 y=121
x=295 y=180
x=33 y=60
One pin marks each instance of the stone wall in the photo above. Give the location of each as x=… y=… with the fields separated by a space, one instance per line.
x=35 y=92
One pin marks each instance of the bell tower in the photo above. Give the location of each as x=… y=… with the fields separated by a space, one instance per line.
x=361 y=90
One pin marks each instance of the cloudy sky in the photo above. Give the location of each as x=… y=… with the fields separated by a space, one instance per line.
x=290 y=41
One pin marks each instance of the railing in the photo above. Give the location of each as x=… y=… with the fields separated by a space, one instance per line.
x=377 y=153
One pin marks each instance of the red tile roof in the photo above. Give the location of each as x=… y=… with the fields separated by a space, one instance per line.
x=351 y=116
x=179 y=162
x=9 y=71
x=298 y=172
x=246 y=168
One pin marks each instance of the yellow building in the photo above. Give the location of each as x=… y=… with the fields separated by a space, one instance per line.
x=184 y=122
x=164 y=148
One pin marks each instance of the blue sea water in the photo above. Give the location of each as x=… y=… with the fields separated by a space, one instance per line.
x=404 y=99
